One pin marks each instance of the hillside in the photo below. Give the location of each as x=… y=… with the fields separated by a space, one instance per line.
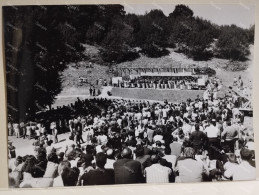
x=72 y=87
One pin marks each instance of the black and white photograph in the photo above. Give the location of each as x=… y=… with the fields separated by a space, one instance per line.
x=110 y=94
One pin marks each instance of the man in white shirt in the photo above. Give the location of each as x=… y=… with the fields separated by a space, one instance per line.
x=243 y=171
x=157 y=173
x=213 y=135
x=212 y=131
x=186 y=127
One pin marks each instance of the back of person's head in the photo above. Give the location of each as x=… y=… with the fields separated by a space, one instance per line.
x=52 y=157
x=155 y=159
x=246 y=154
x=117 y=155
x=19 y=160
x=61 y=155
x=158 y=143
x=228 y=123
x=167 y=151
x=232 y=158
x=70 y=176
x=80 y=162
x=197 y=127
x=49 y=142
x=165 y=163
x=41 y=154
x=199 y=152
x=126 y=153
x=186 y=120
x=139 y=151
x=29 y=164
x=101 y=159
x=87 y=158
x=71 y=155
x=213 y=122
x=189 y=152
x=110 y=153
x=62 y=165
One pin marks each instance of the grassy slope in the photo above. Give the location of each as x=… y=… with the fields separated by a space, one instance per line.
x=71 y=75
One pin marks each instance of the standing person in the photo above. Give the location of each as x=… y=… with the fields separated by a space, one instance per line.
x=230 y=136
x=94 y=92
x=89 y=134
x=28 y=131
x=213 y=135
x=23 y=129
x=240 y=83
x=100 y=175
x=16 y=129
x=235 y=81
x=54 y=129
x=127 y=170
x=79 y=132
x=91 y=91
x=11 y=150
x=197 y=138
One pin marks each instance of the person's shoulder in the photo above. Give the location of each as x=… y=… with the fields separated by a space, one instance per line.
x=134 y=162
x=109 y=171
x=118 y=162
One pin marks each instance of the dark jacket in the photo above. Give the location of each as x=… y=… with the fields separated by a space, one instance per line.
x=98 y=177
x=128 y=171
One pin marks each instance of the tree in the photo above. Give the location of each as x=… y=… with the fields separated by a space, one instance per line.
x=233 y=43
x=181 y=11
x=44 y=50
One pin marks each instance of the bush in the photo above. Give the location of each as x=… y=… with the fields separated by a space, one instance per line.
x=113 y=56
x=109 y=93
x=200 y=54
x=204 y=71
x=233 y=43
x=153 y=51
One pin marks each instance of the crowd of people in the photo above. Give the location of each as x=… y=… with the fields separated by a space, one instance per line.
x=116 y=141
x=160 y=82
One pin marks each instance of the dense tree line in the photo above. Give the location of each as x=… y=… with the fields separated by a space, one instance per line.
x=41 y=40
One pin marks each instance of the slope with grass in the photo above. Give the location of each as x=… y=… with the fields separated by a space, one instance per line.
x=226 y=70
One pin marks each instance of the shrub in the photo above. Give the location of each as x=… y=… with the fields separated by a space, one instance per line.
x=109 y=93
